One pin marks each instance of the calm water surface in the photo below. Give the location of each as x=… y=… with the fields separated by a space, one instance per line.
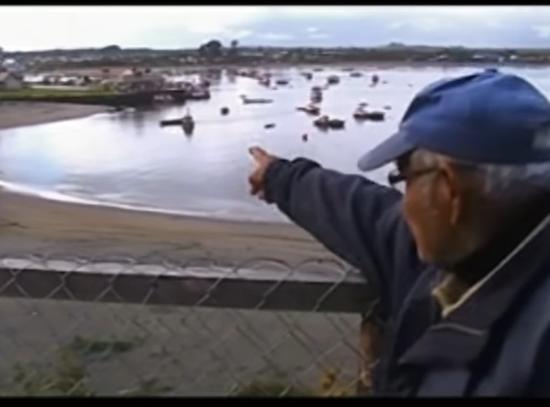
x=127 y=158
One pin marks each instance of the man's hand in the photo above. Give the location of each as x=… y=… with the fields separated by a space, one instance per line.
x=262 y=160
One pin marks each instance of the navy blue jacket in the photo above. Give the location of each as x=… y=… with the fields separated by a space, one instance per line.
x=496 y=344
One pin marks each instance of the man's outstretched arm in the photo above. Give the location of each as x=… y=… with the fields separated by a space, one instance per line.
x=353 y=217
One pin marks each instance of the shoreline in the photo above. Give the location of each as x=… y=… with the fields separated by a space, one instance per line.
x=19 y=114
x=32 y=225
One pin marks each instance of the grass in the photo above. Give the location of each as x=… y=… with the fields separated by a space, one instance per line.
x=105 y=348
x=68 y=375
x=31 y=93
x=329 y=387
x=150 y=387
x=271 y=388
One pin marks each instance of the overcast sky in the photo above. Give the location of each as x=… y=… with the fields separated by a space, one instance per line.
x=46 y=27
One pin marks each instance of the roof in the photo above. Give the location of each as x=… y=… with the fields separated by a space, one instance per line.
x=5 y=75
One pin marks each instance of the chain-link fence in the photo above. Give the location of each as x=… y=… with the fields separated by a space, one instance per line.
x=119 y=325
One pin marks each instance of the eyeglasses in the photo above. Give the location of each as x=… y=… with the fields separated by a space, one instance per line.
x=395 y=176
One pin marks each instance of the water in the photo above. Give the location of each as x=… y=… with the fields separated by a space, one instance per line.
x=127 y=158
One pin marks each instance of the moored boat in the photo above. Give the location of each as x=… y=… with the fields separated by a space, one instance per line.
x=324 y=122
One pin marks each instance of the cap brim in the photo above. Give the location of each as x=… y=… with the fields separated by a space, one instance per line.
x=389 y=150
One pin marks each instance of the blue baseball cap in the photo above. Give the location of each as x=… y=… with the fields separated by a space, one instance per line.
x=488 y=117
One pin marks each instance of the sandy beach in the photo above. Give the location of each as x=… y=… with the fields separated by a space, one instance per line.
x=31 y=224
x=15 y=114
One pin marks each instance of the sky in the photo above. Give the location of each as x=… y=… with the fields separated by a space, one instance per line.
x=25 y=28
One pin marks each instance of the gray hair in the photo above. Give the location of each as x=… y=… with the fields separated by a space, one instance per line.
x=509 y=182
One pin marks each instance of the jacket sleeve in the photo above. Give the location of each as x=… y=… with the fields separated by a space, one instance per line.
x=353 y=217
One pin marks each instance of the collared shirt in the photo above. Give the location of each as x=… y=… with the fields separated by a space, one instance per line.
x=449 y=293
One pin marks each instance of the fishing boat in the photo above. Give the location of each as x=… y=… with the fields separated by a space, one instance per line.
x=281 y=82
x=324 y=122
x=362 y=114
x=310 y=109
x=333 y=80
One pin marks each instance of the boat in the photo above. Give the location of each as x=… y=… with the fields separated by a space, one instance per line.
x=173 y=122
x=317 y=98
x=265 y=81
x=333 y=80
x=307 y=75
x=186 y=122
x=374 y=80
x=224 y=111
x=269 y=126
x=316 y=94
x=310 y=109
x=362 y=114
x=162 y=98
x=356 y=74
x=281 y=82
x=324 y=122
x=247 y=100
x=198 y=94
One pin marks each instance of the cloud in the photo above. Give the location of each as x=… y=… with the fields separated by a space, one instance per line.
x=276 y=36
x=319 y=36
x=46 y=27
x=242 y=34
x=396 y=25
x=37 y=27
x=543 y=31
x=425 y=24
x=431 y=24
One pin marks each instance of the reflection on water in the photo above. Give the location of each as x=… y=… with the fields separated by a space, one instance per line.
x=127 y=158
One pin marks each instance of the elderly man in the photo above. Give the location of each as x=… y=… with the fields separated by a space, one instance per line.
x=461 y=259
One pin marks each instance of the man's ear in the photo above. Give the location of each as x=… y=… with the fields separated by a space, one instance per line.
x=451 y=191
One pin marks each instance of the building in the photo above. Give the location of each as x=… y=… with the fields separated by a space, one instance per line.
x=11 y=81
x=12 y=65
x=136 y=80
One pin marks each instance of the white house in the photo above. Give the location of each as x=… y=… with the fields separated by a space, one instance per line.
x=10 y=81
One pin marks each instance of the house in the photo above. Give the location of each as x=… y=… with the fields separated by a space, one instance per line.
x=10 y=81
x=136 y=80
x=12 y=65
